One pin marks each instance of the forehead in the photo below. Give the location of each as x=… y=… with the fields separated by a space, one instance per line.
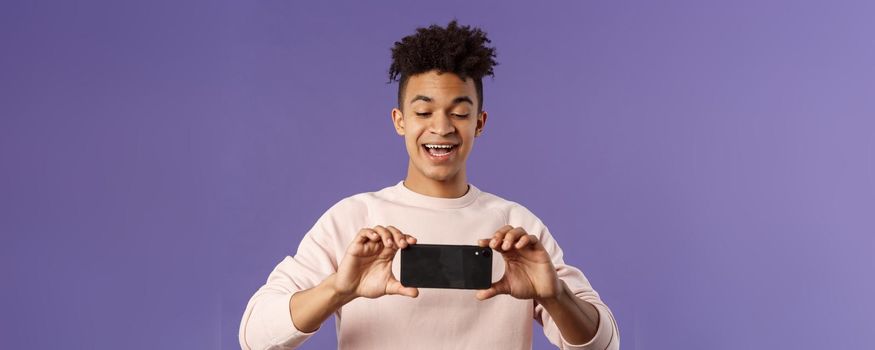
x=441 y=87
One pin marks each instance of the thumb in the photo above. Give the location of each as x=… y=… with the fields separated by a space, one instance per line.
x=496 y=288
x=393 y=287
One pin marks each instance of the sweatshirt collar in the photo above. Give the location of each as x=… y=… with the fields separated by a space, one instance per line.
x=408 y=196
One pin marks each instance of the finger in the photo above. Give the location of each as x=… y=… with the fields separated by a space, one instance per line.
x=385 y=235
x=483 y=242
x=395 y=287
x=511 y=237
x=361 y=237
x=398 y=237
x=526 y=241
x=496 y=288
x=499 y=236
x=366 y=235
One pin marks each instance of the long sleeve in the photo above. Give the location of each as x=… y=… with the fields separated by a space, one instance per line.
x=267 y=322
x=501 y=322
x=607 y=335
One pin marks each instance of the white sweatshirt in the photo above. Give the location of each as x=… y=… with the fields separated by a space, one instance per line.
x=437 y=318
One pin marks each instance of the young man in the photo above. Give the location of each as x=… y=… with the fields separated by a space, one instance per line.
x=347 y=264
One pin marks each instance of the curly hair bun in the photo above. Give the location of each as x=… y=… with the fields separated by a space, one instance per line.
x=457 y=49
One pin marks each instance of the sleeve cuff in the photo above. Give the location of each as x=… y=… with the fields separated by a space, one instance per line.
x=603 y=335
x=278 y=320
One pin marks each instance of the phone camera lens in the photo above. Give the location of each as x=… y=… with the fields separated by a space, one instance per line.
x=486 y=253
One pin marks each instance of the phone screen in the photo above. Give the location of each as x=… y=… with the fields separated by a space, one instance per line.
x=446 y=266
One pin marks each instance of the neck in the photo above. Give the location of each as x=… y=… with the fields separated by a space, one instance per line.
x=454 y=187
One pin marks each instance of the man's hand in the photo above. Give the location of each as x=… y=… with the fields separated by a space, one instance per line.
x=366 y=269
x=529 y=272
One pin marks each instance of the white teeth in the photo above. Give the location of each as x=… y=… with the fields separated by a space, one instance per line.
x=439 y=146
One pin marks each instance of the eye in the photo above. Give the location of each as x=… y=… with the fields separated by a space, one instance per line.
x=461 y=115
x=422 y=114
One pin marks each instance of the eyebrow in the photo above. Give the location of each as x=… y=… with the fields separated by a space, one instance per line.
x=456 y=100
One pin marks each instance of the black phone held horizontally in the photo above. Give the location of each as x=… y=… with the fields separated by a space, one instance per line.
x=446 y=266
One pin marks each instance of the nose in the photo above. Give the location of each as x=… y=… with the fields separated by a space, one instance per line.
x=441 y=124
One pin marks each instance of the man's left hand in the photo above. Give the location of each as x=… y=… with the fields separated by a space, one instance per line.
x=529 y=273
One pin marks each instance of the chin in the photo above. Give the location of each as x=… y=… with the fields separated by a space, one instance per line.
x=440 y=175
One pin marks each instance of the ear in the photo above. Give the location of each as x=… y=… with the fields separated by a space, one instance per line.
x=481 y=123
x=398 y=121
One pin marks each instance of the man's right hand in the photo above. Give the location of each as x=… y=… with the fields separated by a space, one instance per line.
x=366 y=269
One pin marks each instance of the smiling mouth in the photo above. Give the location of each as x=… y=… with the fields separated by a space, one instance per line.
x=440 y=152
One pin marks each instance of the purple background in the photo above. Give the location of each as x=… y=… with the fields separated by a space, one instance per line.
x=710 y=167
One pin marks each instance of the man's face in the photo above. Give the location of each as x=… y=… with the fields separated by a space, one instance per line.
x=439 y=111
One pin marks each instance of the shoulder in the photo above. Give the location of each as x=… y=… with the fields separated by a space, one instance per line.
x=341 y=220
x=351 y=209
x=356 y=207
x=354 y=203
x=515 y=213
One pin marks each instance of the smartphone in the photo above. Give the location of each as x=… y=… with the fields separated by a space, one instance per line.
x=446 y=266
